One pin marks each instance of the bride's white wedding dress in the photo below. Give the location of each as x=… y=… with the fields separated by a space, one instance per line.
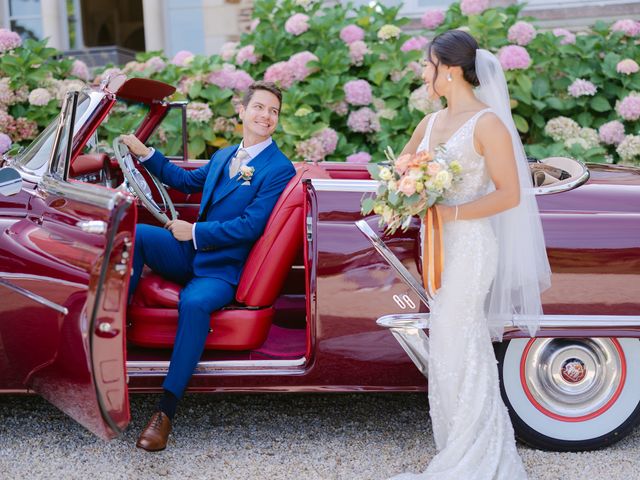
x=473 y=433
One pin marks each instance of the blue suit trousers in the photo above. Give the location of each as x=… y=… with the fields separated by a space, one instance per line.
x=173 y=260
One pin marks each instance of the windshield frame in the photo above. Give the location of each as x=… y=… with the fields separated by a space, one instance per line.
x=46 y=139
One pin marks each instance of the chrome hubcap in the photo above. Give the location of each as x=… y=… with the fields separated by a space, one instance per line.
x=572 y=377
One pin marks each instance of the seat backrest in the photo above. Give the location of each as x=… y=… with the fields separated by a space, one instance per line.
x=273 y=254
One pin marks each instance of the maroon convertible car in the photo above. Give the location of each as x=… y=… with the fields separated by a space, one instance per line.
x=326 y=303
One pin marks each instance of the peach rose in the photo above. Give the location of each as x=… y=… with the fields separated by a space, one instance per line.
x=433 y=168
x=402 y=163
x=407 y=186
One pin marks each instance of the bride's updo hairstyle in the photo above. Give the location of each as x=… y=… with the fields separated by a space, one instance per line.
x=455 y=48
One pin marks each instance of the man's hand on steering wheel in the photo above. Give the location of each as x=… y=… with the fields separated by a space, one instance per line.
x=136 y=147
x=123 y=147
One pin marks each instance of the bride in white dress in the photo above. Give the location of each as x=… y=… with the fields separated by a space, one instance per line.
x=495 y=261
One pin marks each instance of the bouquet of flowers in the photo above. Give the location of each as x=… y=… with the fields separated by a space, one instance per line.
x=409 y=186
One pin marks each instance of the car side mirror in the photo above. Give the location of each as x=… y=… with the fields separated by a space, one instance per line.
x=10 y=181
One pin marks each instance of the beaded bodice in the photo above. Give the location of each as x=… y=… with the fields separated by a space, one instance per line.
x=474 y=180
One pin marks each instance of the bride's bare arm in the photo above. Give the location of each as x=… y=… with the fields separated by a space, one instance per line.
x=418 y=134
x=494 y=141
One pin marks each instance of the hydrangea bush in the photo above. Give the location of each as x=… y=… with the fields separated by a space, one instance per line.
x=352 y=83
x=32 y=85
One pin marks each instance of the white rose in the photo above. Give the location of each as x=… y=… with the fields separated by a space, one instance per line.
x=443 y=178
x=385 y=174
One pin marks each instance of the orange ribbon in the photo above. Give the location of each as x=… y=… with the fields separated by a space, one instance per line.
x=432 y=251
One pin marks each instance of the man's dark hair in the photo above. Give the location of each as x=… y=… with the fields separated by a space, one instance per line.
x=266 y=86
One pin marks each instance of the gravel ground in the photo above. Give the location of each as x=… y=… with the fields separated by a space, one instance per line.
x=265 y=436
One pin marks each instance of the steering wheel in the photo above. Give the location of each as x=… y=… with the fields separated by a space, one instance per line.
x=136 y=184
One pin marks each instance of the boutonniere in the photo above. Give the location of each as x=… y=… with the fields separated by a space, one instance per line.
x=246 y=173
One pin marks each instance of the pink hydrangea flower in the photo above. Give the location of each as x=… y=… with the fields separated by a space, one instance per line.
x=155 y=64
x=299 y=65
x=629 y=107
x=581 y=87
x=631 y=28
x=627 y=66
x=351 y=33
x=567 y=37
x=254 y=24
x=230 y=77
x=514 y=57
x=611 y=133
x=5 y=142
x=357 y=51
x=311 y=150
x=199 y=112
x=9 y=40
x=6 y=121
x=415 y=43
x=359 y=157
x=25 y=129
x=341 y=107
x=358 y=92
x=297 y=24
x=433 y=18
x=7 y=96
x=39 y=97
x=521 y=33
x=247 y=54
x=280 y=73
x=79 y=69
x=182 y=58
x=228 y=51
x=363 y=120
x=473 y=7
x=329 y=139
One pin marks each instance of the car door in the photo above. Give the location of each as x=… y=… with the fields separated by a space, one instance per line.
x=65 y=260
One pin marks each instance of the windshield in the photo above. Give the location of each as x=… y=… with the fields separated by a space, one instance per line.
x=37 y=155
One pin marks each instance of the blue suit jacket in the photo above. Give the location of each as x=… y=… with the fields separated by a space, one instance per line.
x=237 y=213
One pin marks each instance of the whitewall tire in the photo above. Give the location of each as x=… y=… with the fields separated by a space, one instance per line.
x=570 y=394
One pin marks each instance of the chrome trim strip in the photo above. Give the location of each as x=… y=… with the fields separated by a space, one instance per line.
x=34 y=296
x=421 y=320
x=335 y=185
x=394 y=262
x=83 y=192
x=563 y=187
x=249 y=367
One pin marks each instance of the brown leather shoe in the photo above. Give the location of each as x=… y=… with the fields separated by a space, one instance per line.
x=155 y=435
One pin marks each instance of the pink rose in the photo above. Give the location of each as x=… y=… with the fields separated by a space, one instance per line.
x=407 y=186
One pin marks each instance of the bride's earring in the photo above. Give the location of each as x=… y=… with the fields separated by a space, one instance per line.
x=449 y=77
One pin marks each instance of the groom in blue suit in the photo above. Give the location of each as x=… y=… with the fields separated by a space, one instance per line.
x=240 y=186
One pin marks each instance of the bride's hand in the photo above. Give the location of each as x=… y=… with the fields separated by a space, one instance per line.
x=446 y=212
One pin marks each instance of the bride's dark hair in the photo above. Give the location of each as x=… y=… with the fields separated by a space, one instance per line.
x=455 y=48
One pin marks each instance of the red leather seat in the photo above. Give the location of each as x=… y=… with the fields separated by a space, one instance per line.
x=153 y=315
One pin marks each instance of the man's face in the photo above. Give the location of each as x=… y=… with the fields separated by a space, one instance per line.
x=260 y=116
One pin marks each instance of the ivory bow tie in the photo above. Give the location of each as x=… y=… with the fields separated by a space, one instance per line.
x=241 y=158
